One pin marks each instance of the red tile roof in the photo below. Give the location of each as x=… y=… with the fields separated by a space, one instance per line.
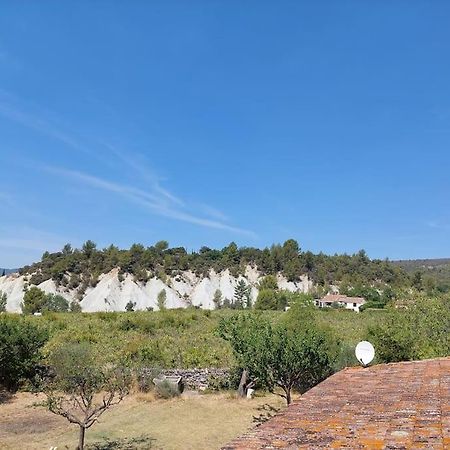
x=342 y=298
x=390 y=406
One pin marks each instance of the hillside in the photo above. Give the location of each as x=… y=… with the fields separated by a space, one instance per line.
x=108 y=279
x=7 y=271
x=434 y=271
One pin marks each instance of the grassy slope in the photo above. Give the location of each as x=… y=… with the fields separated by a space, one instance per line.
x=183 y=338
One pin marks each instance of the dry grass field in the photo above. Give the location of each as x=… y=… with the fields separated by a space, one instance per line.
x=190 y=422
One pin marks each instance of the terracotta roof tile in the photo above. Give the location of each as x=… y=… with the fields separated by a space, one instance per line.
x=390 y=406
x=342 y=298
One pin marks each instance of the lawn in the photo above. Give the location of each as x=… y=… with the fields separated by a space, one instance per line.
x=190 y=422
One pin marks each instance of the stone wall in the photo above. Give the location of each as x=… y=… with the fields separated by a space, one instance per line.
x=194 y=379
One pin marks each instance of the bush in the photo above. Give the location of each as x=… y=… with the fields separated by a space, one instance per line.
x=135 y=443
x=20 y=345
x=418 y=330
x=165 y=389
x=145 y=379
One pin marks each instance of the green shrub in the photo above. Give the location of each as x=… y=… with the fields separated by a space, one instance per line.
x=418 y=330
x=145 y=379
x=20 y=343
x=134 y=443
x=165 y=389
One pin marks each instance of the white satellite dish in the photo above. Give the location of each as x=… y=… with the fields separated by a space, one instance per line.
x=365 y=353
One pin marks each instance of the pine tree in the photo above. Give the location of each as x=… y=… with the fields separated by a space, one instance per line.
x=217 y=299
x=242 y=298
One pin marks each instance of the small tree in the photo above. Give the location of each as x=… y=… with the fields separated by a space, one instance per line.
x=217 y=299
x=161 y=299
x=20 y=343
x=33 y=300
x=267 y=299
x=75 y=307
x=278 y=358
x=129 y=307
x=242 y=295
x=84 y=384
x=55 y=303
x=3 y=301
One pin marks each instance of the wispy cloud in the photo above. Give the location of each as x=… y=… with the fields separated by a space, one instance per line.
x=44 y=127
x=137 y=164
x=158 y=205
x=28 y=238
x=437 y=225
x=20 y=245
x=154 y=197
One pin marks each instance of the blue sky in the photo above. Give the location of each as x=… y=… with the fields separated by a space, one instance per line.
x=207 y=122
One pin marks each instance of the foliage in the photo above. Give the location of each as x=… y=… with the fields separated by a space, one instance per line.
x=430 y=275
x=36 y=300
x=55 y=303
x=33 y=300
x=418 y=330
x=85 y=382
x=161 y=300
x=129 y=307
x=3 y=301
x=166 y=389
x=78 y=269
x=134 y=443
x=75 y=307
x=268 y=282
x=278 y=356
x=217 y=299
x=242 y=296
x=20 y=343
x=145 y=379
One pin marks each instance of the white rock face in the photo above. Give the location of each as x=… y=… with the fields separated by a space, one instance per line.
x=111 y=294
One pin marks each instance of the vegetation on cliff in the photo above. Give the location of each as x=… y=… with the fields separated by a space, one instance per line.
x=80 y=268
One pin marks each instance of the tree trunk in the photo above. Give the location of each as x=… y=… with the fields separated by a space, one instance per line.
x=81 y=438
x=288 y=396
x=242 y=389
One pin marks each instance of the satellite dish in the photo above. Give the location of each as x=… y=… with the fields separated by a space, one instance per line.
x=365 y=353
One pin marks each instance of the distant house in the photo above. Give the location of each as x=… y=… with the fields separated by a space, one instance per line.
x=329 y=300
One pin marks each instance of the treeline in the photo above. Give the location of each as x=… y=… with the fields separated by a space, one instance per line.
x=428 y=274
x=80 y=268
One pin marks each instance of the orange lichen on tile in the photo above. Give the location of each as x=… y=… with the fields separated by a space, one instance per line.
x=401 y=405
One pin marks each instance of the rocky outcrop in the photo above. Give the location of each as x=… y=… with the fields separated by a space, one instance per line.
x=112 y=292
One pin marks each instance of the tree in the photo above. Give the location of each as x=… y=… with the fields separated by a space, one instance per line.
x=268 y=282
x=20 y=344
x=86 y=381
x=161 y=299
x=3 y=301
x=267 y=299
x=3 y=272
x=75 y=307
x=278 y=357
x=161 y=246
x=242 y=295
x=129 y=307
x=55 y=303
x=67 y=250
x=33 y=300
x=417 y=280
x=89 y=248
x=418 y=331
x=217 y=299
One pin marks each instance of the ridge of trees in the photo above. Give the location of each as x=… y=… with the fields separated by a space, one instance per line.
x=80 y=268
